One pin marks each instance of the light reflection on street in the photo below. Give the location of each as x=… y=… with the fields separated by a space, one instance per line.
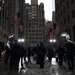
x=26 y=59
x=53 y=62
x=24 y=68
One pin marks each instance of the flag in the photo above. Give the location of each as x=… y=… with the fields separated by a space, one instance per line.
x=17 y=19
x=55 y=30
x=51 y=34
x=21 y=28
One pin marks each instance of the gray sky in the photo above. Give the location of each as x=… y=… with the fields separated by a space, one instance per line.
x=48 y=7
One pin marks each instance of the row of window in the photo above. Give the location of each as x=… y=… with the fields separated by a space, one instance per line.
x=36 y=20
x=33 y=41
x=35 y=34
x=58 y=5
x=34 y=38
x=34 y=7
x=68 y=17
x=29 y=26
x=34 y=25
x=34 y=31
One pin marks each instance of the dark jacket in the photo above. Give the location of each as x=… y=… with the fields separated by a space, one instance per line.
x=16 y=50
x=70 y=49
x=50 y=52
x=41 y=51
x=60 y=51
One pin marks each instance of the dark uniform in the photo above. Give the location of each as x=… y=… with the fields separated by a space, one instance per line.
x=7 y=54
x=37 y=57
x=70 y=49
x=15 y=55
x=29 y=52
x=41 y=55
x=34 y=53
x=50 y=54
x=60 y=52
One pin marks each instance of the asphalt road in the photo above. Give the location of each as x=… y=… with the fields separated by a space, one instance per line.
x=33 y=69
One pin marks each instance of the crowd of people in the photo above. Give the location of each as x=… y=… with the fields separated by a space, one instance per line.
x=15 y=51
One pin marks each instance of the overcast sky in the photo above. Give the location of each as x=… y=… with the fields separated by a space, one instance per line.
x=48 y=7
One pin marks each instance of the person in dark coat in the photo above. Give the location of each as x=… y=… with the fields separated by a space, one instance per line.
x=60 y=52
x=37 y=57
x=50 y=53
x=70 y=51
x=29 y=52
x=41 y=55
x=34 y=53
x=8 y=49
x=7 y=55
x=15 y=55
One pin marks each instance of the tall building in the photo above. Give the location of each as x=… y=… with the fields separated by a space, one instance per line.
x=65 y=16
x=53 y=16
x=21 y=10
x=34 y=2
x=34 y=23
x=48 y=25
x=7 y=26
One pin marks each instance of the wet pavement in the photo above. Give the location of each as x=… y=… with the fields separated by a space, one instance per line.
x=33 y=69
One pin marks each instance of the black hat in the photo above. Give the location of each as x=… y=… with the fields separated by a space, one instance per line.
x=11 y=38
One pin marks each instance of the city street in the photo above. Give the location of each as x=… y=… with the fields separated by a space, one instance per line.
x=33 y=69
x=37 y=28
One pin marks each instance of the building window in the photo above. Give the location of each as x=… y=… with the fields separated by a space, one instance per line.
x=58 y=6
x=33 y=30
x=72 y=1
x=64 y=20
x=61 y=23
x=40 y=34
x=29 y=34
x=40 y=37
x=56 y=9
x=63 y=0
x=40 y=30
x=61 y=3
x=29 y=38
x=68 y=17
x=64 y=9
x=73 y=14
x=36 y=37
x=33 y=41
x=36 y=34
x=67 y=5
x=61 y=13
x=29 y=41
x=29 y=30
